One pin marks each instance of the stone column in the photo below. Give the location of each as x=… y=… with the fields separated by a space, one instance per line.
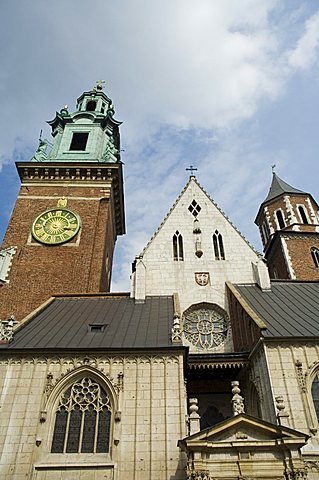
x=194 y=418
x=237 y=400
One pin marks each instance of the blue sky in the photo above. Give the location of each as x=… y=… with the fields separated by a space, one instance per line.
x=228 y=86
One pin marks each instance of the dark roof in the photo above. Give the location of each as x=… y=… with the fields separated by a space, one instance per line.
x=279 y=187
x=289 y=309
x=65 y=324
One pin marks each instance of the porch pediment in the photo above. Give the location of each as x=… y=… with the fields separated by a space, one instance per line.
x=244 y=428
x=245 y=447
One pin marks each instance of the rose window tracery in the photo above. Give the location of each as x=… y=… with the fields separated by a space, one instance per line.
x=205 y=326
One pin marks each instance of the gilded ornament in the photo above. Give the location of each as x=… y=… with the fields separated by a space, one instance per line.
x=56 y=226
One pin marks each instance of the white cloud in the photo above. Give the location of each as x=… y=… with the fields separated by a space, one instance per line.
x=305 y=54
x=185 y=77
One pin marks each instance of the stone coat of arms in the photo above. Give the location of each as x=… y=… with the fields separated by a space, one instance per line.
x=202 y=278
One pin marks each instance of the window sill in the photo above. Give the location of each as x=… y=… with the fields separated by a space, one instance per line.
x=70 y=152
x=72 y=464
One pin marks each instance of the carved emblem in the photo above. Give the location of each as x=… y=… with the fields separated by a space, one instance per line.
x=202 y=278
x=301 y=376
x=62 y=202
x=6 y=329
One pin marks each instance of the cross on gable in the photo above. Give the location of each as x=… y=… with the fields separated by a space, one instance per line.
x=191 y=169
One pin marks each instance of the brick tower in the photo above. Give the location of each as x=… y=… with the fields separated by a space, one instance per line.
x=289 y=226
x=69 y=210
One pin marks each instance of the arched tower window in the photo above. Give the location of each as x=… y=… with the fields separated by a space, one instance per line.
x=280 y=219
x=178 y=252
x=315 y=256
x=218 y=246
x=91 y=106
x=83 y=419
x=302 y=214
x=315 y=394
x=265 y=231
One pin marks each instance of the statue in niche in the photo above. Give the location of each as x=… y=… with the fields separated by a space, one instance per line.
x=41 y=153
x=110 y=154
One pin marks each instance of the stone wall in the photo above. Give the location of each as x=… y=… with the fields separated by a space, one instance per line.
x=150 y=405
x=292 y=369
x=157 y=273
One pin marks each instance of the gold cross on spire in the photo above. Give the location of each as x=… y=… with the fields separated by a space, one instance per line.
x=99 y=85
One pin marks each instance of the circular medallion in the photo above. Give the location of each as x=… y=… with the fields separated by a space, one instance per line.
x=205 y=326
x=54 y=226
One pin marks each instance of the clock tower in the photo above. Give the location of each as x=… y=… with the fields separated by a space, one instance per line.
x=69 y=210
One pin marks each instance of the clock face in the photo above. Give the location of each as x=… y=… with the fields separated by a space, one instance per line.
x=54 y=226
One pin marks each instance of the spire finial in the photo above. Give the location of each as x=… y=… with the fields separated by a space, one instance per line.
x=191 y=169
x=273 y=168
x=99 y=85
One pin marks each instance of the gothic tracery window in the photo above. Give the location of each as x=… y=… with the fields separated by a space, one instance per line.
x=218 y=246
x=205 y=326
x=315 y=256
x=83 y=419
x=178 y=251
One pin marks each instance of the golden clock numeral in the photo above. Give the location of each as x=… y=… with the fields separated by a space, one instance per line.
x=55 y=226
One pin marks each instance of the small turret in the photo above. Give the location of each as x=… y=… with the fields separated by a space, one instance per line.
x=286 y=218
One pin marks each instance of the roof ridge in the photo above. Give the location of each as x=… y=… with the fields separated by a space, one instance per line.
x=192 y=177
x=279 y=187
x=166 y=217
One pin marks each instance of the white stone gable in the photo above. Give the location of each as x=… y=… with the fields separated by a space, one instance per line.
x=199 y=276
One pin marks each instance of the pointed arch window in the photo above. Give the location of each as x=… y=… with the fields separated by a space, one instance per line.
x=303 y=214
x=178 y=251
x=83 y=419
x=315 y=394
x=218 y=246
x=280 y=219
x=315 y=256
x=265 y=231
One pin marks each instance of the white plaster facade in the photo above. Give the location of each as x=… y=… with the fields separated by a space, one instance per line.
x=157 y=273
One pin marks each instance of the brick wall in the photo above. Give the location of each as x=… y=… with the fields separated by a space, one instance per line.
x=38 y=271
x=299 y=251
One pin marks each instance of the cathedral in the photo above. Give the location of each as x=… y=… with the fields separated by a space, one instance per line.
x=208 y=369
